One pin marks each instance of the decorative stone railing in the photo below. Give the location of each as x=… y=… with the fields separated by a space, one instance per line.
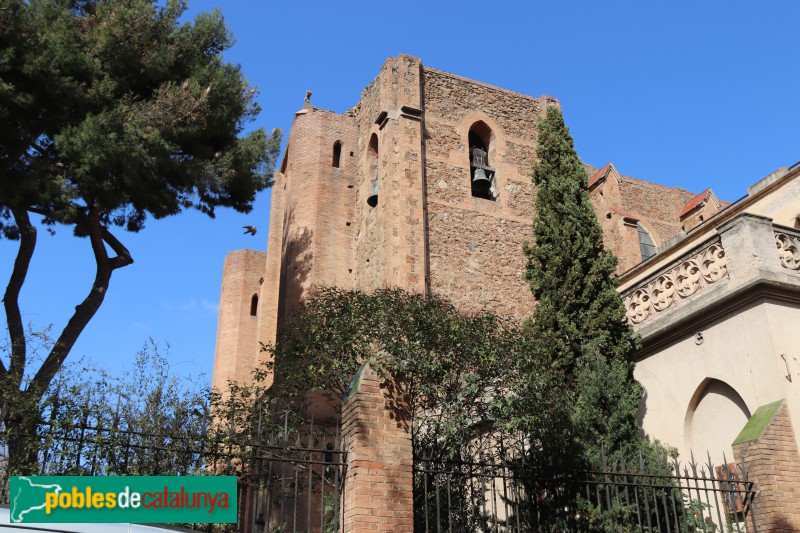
x=788 y=243
x=674 y=286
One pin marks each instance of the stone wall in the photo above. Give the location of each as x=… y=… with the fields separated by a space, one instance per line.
x=477 y=262
x=656 y=206
x=389 y=241
x=451 y=99
x=369 y=255
x=475 y=244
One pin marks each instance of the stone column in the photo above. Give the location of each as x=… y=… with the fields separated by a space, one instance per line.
x=767 y=448
x=378 y=484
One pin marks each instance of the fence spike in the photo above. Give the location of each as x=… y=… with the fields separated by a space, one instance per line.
x=693 y=463
x=743 y=468
x=710 y=462
x=712 y=472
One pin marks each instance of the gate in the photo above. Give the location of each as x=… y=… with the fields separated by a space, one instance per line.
x=298 y=484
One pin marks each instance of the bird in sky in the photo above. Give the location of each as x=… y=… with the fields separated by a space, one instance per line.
x=249 y=229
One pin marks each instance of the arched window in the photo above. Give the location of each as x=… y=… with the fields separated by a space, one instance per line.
x=646 y=244
x=482 y=178
x=372 y=169
x=337 y=154
x=254 y=305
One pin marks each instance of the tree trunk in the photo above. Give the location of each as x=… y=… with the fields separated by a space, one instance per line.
x=20 y=408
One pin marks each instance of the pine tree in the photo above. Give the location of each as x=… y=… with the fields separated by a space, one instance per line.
x=112 y=111
x=579 y=322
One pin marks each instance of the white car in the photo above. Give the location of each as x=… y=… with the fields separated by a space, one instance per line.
x=7 y=527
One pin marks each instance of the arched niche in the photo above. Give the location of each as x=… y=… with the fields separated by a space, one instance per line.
x=714 y=418
x=482 y=149
x=372 y=170
x=337 y=154
x=254 y=305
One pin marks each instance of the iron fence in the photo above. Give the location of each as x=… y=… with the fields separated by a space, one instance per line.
x=510 y=495
x=289 y=479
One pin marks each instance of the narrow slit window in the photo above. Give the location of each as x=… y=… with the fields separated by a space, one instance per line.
x=337 y=154
x=254 y=305
x=372 y=152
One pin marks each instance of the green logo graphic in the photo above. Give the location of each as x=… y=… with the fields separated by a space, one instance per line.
x=145 y=499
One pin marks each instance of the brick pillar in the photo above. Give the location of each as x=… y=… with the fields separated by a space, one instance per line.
x=767 y=448
x=378 y=485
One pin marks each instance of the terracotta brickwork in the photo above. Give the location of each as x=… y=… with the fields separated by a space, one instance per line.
x=427 y=233
x=237 y=330
x=773 y=463
x=378 y=494
x=622 y=202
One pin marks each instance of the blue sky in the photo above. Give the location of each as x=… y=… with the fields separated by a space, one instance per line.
x=689 y=94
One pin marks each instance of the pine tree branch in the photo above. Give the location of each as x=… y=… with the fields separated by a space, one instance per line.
x=123 y=257
x=99 y=236
x=16 y=330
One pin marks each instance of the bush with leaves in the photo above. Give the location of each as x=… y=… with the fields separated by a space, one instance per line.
x=145 y=421
x=456 y=373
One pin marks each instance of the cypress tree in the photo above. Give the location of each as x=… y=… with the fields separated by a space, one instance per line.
x=579 y=324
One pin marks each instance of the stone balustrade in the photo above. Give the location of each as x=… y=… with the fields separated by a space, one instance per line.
x=677 y=283
x=788 y=242
x=736 y=255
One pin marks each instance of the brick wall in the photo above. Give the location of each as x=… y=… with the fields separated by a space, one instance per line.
x=237 y=346
x=656 y=206
x=389 y=239
x=773 y=463
x=378 y=484
x=318 y=203
x=427 y=233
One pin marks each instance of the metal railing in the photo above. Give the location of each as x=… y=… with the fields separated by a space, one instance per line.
x=289 y=479
x=510 y=495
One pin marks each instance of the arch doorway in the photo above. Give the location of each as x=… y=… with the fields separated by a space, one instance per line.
x=716 y=415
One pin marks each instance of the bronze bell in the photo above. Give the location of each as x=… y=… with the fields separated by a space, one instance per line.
x=480 y=179
x=478 y=157
x=372 y=200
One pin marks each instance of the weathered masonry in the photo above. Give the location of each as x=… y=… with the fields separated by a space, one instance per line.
x=424 y=184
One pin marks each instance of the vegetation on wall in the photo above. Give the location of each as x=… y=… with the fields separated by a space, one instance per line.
x=456 y=373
